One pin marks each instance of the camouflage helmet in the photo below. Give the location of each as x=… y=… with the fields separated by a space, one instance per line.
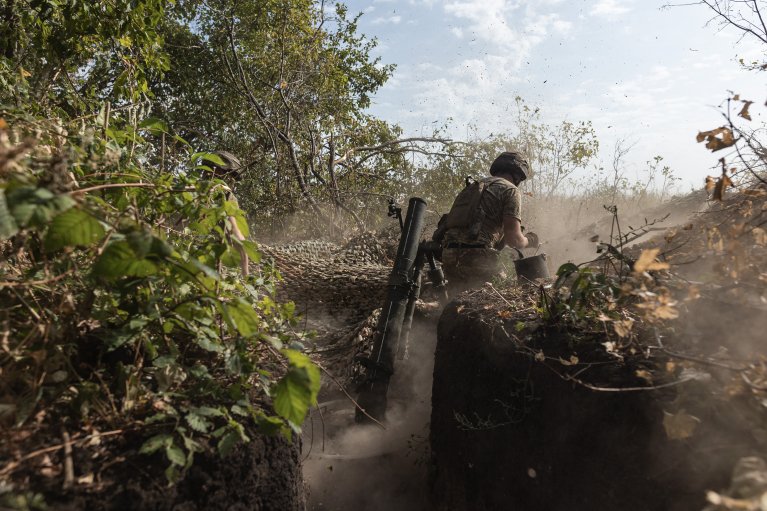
x=510 y=162
x=231 y=166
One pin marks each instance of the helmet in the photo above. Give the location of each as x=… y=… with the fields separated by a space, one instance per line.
x=231 y=164
x=510 y=162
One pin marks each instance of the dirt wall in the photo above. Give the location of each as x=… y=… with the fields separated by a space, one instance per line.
x=263 y=475
x=507 y=432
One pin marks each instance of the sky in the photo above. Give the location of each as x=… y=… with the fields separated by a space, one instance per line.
x=649 y=75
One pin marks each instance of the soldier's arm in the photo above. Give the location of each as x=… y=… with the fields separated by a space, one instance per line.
x=237 y=242
x=512 y=232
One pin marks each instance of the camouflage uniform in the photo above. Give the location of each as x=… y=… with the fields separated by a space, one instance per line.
x=469 y=261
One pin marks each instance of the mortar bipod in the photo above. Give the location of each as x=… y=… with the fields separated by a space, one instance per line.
x=428 y=252
x=380 y=365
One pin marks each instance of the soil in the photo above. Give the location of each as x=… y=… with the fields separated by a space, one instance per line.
x=512 y=430
x=263 y=475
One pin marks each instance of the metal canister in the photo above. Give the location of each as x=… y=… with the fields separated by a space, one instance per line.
x=530 y=268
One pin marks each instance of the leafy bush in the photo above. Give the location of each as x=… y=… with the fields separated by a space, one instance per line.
x=122 y=303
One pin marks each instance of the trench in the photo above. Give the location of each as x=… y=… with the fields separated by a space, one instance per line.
x=350 y=466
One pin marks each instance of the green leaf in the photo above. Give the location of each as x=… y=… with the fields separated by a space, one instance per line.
x=242 y=317
x=73 y=227
x=156 y=443
x=297 y=390
x=175 y=455
x=198 y=422
x=211 y=157
x=8 y=225
x=208 y=411
x=251 y=249
x=118 y=260
x=208 y=344
x=154 y=125
x=227 y=442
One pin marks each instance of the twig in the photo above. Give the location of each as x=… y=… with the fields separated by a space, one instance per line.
x=127 y=185
x=701 y=360
x=747 y=381
x=567 y=377
x=13 y=465
x=21 y=283
x=490 y=285
x=348 y=396
x=69 y=467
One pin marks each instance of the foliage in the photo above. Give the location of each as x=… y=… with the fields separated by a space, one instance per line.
x=290 y=82
x=122 y=304
x=613 y=289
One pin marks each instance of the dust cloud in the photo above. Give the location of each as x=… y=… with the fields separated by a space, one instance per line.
x=567 y=225
x=350 y=466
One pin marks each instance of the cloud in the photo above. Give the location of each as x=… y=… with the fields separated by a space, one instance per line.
x=394 y=20
x=610 y=9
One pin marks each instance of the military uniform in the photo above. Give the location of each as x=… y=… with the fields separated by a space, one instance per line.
x=469 y=257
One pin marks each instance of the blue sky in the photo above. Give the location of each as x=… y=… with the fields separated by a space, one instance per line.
x=651 y=75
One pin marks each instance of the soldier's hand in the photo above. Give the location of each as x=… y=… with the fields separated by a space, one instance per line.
x=532 y=240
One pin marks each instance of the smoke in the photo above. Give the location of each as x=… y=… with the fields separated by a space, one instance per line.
x=351 y=466
x=569 y=226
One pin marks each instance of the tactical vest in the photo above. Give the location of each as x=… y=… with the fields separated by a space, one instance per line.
x=466 y=212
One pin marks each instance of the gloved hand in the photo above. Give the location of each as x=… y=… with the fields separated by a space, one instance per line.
x=532 y=240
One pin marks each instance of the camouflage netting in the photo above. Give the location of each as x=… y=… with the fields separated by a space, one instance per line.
x=337 y=289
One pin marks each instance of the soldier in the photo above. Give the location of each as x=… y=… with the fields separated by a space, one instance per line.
x=229 y=172
x=485 y=217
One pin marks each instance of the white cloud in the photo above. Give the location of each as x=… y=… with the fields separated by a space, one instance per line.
x=610 y=9
x=457 y=31
x=394 y=20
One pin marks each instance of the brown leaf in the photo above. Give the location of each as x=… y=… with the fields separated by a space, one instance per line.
x=721 y=186
x=760 y=236
x=645 y=375
x=710 y=183
x=744 y=111
x=505 y=314
x=647 y=262
x=679 y=426
x=717 y=139
x=688 y=227
x=623 y=327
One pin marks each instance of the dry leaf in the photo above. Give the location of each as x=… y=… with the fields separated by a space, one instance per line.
x=720 y=187
x=717 y=139
x=670 y=235
x=539 y=356
x=623 y=327
x=679 y=426
x=710 y=183
x=670 y=367
x=645 y=375
x=460 y=308
x=3 y=124
x=688 y=227
x=647 y=262
x=760 y=236
x=86 y=479
x=609 y=346
x=594 y=238
x=573 y=361
x=505 y=314
x=744 y=111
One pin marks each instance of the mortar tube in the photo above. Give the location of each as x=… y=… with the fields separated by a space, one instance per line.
x=380 y=367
